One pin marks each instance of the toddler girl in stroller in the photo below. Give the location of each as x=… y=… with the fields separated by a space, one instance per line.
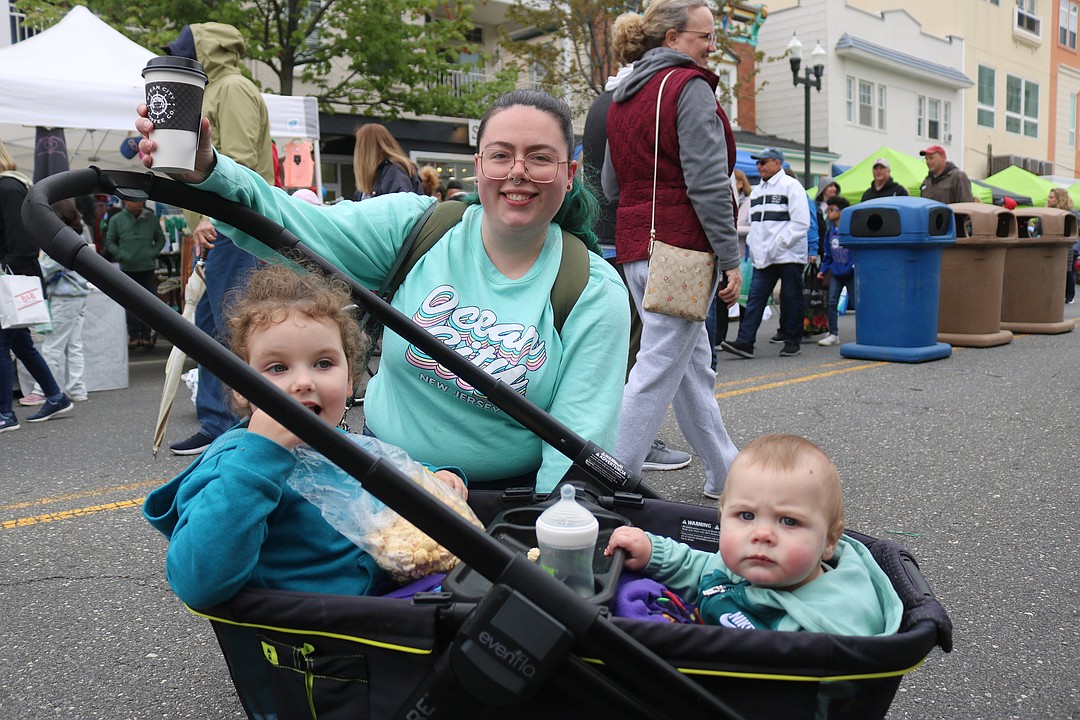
x=231 y=518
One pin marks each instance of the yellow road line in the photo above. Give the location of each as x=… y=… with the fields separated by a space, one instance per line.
x=797 y=380
x=84 y=494
x=68 y=514
x=770 y=376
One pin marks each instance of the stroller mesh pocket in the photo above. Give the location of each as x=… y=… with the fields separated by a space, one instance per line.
x=309 y=684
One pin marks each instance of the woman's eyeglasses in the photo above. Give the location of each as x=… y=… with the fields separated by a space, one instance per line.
x=707 y=37
x=540 y=167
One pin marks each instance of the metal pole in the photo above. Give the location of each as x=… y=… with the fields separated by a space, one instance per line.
x=806 y=130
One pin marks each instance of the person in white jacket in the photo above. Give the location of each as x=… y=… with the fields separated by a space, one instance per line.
x=779 y=221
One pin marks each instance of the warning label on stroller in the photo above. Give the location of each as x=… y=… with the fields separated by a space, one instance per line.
x=699 y=532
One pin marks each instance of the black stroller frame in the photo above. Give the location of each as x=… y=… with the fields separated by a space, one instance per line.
x=438 y=657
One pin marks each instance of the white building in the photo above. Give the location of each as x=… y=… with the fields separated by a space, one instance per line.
x=886 y=81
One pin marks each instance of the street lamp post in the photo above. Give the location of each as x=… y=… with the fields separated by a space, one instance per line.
x=810 y=78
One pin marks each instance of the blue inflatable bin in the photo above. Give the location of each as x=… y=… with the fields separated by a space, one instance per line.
x=897 y=244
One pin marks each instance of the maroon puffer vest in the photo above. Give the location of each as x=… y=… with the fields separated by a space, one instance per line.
x=630 y=128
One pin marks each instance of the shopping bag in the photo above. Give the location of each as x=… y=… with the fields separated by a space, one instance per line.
x=22 y=302
x=816 y=318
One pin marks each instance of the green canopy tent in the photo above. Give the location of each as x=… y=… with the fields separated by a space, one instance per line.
x=907 y=170
x=992 y=194
x=1022 y=182
x=1074 y=193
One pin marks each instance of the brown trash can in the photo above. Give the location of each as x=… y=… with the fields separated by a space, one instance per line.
x=972 y=276
x=1033 y=294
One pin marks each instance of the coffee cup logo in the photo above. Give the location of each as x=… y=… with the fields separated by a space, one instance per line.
x=174 y=105
x=161 y=104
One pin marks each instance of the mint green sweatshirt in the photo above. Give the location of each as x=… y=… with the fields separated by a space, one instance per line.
x=458 y=295
x=853 y=597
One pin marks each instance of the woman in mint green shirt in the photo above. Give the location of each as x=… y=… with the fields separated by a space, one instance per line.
x=483 y=289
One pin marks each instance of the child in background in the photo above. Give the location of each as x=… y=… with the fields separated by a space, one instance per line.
x=784 y=562
x=62 y=347
x=838 y=263
x=231 y=518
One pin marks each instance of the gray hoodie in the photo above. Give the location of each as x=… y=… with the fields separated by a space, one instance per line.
x=702 y=152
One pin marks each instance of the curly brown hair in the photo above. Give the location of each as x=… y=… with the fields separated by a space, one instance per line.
x=274 y=291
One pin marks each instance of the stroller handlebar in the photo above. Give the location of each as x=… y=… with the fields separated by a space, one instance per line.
x=585 y=455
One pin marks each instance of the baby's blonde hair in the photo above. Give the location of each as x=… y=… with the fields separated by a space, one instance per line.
x=781 y=452
x=275 y=291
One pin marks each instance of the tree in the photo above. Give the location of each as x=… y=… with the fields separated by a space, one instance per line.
x=575 y=59
x=379 y=57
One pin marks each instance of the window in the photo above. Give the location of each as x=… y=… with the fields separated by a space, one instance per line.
x=1031 y=109
x=725 y=89
x=850 y=99
x=865 y=103
x=1027 y=18
x=1021 y=106
x=1072 y=121
x=985 y=111
x=1067 y=13
x=935 y=119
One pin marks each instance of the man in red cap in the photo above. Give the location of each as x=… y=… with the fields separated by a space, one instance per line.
x=945 y=182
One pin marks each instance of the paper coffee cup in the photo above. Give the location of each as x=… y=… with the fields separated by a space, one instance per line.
x=174 y=95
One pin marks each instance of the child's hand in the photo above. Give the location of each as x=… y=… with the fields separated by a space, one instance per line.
x=453 y=482
x=271 y=429
x=821 y=276
x=636 y=544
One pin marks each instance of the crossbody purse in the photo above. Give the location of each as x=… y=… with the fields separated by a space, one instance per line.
x=680 y=281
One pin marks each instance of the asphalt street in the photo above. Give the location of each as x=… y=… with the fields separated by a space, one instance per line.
x=970 y=461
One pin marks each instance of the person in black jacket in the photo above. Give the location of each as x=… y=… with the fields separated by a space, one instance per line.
x=883 y=185
x=381 y=166
x=19 y=256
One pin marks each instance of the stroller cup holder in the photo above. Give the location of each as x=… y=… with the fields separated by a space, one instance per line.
x=515 y=528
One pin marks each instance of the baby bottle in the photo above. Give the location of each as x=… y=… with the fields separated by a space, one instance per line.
x=566 y=533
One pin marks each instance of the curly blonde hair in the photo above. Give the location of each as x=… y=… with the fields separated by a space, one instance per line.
x=1062 y=199
x=274 y=291
x=633 y=35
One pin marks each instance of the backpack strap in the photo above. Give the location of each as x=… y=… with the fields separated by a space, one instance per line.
x=571 y=279
x=425 y=232
x=437 y=220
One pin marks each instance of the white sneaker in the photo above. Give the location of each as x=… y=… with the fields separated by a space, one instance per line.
x=829 y=339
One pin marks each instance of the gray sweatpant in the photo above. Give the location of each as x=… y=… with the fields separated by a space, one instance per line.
x=673 y=367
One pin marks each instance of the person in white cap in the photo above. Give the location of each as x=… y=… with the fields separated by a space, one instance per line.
x=883 y=185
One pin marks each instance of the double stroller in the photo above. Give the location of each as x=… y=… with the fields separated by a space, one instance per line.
x=498 y=637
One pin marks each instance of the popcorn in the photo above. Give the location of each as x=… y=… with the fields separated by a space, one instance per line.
x=405 y=552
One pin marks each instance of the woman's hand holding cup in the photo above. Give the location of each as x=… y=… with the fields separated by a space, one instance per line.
x=204 y=152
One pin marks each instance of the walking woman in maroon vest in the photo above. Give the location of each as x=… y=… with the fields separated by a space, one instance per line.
x=693 y=209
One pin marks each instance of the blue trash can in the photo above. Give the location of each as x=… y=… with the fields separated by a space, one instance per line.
x=897 y=243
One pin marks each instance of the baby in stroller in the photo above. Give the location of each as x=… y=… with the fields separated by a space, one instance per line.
x=784 y=561
x=231 y=518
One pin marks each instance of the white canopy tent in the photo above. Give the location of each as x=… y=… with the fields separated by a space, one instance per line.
x=86 y=77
